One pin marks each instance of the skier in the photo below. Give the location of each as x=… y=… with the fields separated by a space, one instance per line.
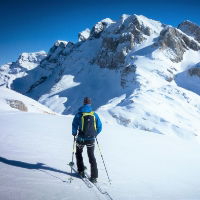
x=87 y=125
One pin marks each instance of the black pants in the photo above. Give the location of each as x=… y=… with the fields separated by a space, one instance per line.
x=90 y=151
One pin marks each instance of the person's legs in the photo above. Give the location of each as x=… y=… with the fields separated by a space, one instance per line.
x=79 y=157
x=92 y=159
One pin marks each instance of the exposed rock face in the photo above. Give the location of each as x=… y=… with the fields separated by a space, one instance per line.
x=171 y=38
x=17 y=104
x=190 y=29
x=195 y=71
x=97 y=29
x=34 y=85
x=100 y=27
x=114 y=51
x=134 y=25
x=128 y=75
x=57 y=53
x=119 y=39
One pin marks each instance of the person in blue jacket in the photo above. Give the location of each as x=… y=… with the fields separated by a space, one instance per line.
x=86 y=126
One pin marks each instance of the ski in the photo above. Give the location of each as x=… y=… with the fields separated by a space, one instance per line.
x=98 y=187
x=84 y=179
x=89 y=184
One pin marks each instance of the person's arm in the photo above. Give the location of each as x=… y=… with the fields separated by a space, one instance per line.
x=98 y=124
x=75 y=125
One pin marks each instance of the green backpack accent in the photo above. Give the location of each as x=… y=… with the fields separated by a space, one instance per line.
x=88 y=122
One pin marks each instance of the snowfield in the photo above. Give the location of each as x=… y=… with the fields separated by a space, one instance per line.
x=36 y=149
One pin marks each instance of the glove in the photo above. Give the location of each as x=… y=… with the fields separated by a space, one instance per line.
x=96 y=135
x=74 y=134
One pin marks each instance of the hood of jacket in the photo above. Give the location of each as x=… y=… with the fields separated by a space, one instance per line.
x=85 y=108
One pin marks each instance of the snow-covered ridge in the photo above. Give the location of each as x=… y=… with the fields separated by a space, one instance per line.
x=11 y=101
x=26 y=62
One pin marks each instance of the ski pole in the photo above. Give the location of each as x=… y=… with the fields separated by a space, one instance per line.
x=73 y=151
x=103 y=160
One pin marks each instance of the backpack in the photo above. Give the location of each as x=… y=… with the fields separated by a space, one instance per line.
x=88 y=122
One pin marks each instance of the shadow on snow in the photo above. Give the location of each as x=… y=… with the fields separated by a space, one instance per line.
x=38 y=166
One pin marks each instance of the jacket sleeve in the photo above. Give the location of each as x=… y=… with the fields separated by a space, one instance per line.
x=98 y=124
x=75 y=124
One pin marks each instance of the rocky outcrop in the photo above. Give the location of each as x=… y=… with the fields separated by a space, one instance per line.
x=136 y=26
x=34 y=85
x=119 y=39
x=100 y=27
x=195 y=71
x=190 y=29
x=114 y=51
x=17 y=105
x=128 y=75
x=178 y=42
x=57 y=53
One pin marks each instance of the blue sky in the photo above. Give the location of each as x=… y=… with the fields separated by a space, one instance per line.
x=34 y=25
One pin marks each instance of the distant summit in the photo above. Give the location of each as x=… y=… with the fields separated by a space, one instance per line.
x=25 y=62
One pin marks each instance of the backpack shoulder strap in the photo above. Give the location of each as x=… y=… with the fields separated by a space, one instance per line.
x=88 y=113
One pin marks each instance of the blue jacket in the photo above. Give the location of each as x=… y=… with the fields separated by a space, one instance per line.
x=76 y=124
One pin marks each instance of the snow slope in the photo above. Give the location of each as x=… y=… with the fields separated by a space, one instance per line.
x=190 y=79
x=35 y=149
x=12 y=101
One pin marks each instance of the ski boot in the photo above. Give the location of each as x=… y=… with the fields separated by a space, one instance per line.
x=93 y=180
x=82 y=174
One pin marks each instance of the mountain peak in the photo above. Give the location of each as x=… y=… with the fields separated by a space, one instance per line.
x=26 y=59
x=61 y=43
x=142 y=23
x=84 y=35
x=190 y=29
